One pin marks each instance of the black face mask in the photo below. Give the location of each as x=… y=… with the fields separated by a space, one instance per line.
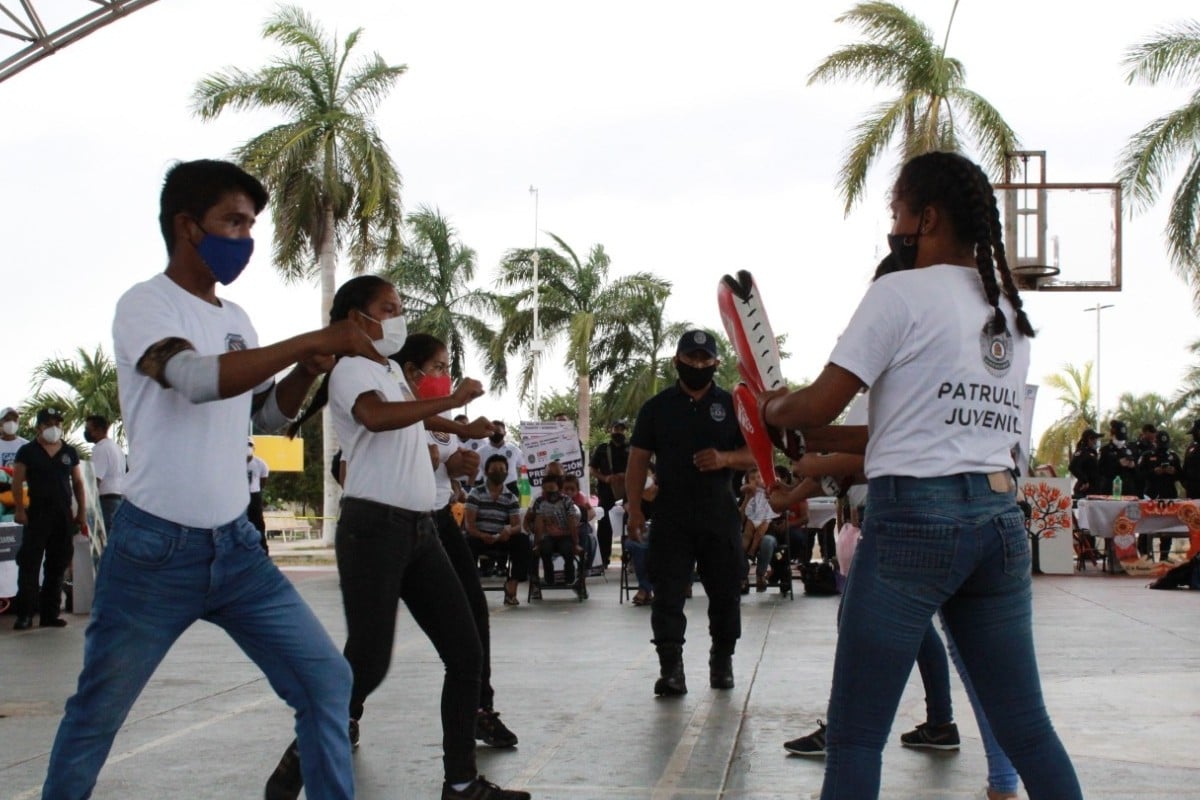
x=87 y=437
x=496 y=439
x=496 y=478
x=618 y=439
x=695 y=378
x=904 y=248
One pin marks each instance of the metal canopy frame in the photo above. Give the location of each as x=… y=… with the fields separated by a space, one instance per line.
x=21 y=22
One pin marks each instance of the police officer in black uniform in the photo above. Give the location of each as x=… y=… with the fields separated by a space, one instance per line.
x=1085 y=465
x=691 y=432
x=608 y=464
x=1160 y=468
x=1117 y=459
x=1191 y=465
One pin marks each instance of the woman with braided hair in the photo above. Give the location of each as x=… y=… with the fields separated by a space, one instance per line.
x=943 y=345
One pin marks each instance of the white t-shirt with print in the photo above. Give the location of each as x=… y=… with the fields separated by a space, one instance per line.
x=389 y=467
x=447 y=444
x=945 y=395
x=510 y=451
x=108 y=463
x=188 y=458
x=9 y=448
x=256 y=470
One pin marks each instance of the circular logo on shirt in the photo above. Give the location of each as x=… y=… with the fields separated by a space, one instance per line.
x=234 y=341
x=66 y=459
x=717 y=412
x=440 y=437
x=996 y=349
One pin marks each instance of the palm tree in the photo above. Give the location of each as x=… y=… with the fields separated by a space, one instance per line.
x=433 y=274
x=1154 y=409
x=638 y=358
x=1074 y=387
x=933 y=107
x=577 y=303
x=1150 y=156
x=90 y=380
x=1188 y=398
x=334 y=182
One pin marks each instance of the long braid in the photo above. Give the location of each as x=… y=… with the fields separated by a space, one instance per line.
x=976 y=184
x=1010 y=286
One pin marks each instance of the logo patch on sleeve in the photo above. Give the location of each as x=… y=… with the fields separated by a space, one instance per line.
x=234 y=341
x=996 y=350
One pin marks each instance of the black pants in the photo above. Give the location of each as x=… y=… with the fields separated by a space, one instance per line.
x=455 y=544
x=1146 y=547
x=517 y=547
x=709 y=537
x=561 y=546
x=801 y=542
x=604 y=536
x=48 y=533
x=385 y=554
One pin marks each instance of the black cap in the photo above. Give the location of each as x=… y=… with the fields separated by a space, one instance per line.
x=694 y=340
x=620 y=423
x=47 y=414
x=1090 y=434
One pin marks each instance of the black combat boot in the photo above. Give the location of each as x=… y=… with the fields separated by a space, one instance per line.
x=720 y=667
x=671 y=682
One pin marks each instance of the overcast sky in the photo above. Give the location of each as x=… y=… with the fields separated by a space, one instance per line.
x=681 y=135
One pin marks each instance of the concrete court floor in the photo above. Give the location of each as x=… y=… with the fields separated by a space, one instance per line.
x=1120 y=664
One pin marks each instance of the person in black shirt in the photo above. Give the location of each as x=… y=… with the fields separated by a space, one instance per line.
x=1085 y=465
x=1117 y=458
x=608 y=463
x=1191 y=465
x=1160 y=468
x=691 y=432
x=51 y=470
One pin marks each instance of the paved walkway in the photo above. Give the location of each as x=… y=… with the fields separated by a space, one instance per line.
x=1121 y=668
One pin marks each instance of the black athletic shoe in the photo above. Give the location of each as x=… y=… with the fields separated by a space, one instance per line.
x=481 y=789
x=811 y=745
x=52 y=622
x=491 y=731
x=932 y=737
x=286 y=781
x=23 y=624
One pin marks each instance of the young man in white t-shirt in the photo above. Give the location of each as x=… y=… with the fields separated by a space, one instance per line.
x=10 y=443
x=191 y=374
x=108 y=465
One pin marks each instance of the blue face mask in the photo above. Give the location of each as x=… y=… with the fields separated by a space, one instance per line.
x=225 y=257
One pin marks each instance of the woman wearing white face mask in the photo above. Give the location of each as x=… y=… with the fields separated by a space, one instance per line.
x=51 y=470
x=387 y=546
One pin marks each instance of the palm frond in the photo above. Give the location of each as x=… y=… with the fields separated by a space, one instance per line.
x=1172 y=53
x=1183 y=240
x=871 y=136
x=1150 y=154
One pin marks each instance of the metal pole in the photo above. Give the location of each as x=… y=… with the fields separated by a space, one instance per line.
x=536 y=343
x=1098 y=308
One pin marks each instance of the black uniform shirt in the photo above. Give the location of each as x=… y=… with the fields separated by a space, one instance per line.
x=611 y=459
x=675 y=427
x=1085 y=467
x=1191 y=470
x=1111 y=455
x=48 y=478
x=1162 y=486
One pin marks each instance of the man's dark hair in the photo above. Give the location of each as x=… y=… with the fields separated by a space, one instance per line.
x=461 y=418
x=193 y=187
x=1149 y=428
x=97 y=421
x=495 y=458
x=552 y=477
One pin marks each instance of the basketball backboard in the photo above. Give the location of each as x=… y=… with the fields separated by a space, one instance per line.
x=1063 y=237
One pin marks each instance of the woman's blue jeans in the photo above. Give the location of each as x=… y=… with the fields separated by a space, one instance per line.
x=156 y=578
x=951 y=543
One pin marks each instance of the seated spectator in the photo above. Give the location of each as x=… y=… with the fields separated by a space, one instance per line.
x=586 y=515
x=757 y=540
x=556 y=530
x=493 y=523
x=638 y=548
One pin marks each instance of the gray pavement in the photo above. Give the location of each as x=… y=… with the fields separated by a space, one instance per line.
x=1120 y=665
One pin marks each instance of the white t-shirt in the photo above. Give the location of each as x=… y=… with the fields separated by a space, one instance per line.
x=108 y=462
x=256 y=470
x=447 y=444
x=8 y=450
x=389 y=467
x=945 y=395
x=510 y=451
x=188 y=458
x=857 y=415
x=758 y=510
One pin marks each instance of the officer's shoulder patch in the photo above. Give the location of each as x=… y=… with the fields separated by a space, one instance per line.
x=717 y=412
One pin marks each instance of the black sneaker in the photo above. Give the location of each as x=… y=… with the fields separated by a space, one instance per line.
x=354 y=734
x=23 y=624
x=811 y=745
x=286 y=781
x=932 y=737
x=481 y=789
x=491 y=731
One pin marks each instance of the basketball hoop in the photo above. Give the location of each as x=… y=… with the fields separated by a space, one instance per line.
x=1030 y=276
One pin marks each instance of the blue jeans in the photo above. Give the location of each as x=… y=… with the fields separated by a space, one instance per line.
x=637 y=554
x=935 y=677
x=949 y=543
x=1002 y=775
x=766 y=551
x=156 y=578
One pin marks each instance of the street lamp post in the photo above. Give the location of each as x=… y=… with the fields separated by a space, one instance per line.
x=1098 y=308
x=535 y=344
